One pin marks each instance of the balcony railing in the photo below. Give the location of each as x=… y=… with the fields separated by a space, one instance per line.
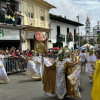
x=14 y=19
x=60 y=38
x=76 y=38
x=69 y=39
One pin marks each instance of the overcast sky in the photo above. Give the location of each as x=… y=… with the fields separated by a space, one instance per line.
x=71 y=8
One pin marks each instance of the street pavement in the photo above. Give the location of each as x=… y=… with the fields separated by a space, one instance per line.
x=22 y=87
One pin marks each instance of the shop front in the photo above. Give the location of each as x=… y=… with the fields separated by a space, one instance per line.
x=30 y=39
x=9 y=38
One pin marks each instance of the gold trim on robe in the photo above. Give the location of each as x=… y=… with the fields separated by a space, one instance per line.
x=50 y=79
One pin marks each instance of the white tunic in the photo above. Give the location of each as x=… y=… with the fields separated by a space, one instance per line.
x=90 y=69
x=3 y=74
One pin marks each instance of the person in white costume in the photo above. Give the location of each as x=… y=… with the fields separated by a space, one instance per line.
x=34 y=68
x=3 y=74
x=91 y=61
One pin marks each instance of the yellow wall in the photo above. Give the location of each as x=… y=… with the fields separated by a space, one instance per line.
x=38 y=10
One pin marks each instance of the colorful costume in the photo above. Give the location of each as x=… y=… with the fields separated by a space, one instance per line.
x=56 y=80
x=96 y=82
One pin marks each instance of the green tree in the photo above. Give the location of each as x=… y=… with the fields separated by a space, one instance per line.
x=92 y=42
x=98 y=39
x=82 y=41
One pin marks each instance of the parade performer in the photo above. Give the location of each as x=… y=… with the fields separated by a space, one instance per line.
x=96 y=78
x=91 y=61
x=34 y=68
x=3 y=74
x=56 y=81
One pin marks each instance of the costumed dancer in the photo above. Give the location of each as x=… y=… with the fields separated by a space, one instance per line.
x=34 y=68
x=96 y=78
x=3 y=74
x=56 y=81
x=91 y=61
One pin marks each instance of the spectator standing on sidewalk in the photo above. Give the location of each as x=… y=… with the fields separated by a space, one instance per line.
x=83 y=58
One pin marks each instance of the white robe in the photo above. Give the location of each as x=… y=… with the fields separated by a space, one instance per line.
x=90 y=69
x=35 y=67
x=3 y=74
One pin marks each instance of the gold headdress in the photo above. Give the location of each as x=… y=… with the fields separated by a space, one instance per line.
x=40 y=48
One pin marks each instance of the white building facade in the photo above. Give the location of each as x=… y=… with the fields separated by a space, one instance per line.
x=62 y=27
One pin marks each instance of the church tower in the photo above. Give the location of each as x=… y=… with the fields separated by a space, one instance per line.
x=87 y=28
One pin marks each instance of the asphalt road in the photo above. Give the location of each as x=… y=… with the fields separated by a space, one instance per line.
x=22 y=87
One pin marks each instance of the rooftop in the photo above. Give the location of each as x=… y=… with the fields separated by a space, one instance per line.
x=64 y=20
x=45 y=3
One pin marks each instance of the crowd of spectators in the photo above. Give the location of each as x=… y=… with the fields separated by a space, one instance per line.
x=10 y=16
x=14 y=59
x=52 y=53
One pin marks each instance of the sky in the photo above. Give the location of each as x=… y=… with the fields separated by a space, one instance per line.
x=73 y=8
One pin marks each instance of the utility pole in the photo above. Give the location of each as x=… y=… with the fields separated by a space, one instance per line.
x=78 y=30
x=82 y=38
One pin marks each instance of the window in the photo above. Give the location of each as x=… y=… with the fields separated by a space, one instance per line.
x=31 y=15
x=58 y=30
x=67 y=30
x=42 y=18
x=74 y=32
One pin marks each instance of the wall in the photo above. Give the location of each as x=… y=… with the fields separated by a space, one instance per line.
x=63 y=30
x=37 y=10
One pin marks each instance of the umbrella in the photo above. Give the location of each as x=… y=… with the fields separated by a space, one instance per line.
x=83 y=48
x=56 y=48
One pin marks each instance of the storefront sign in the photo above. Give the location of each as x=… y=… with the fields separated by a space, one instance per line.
x=41 y=36
x=9 y=34
x=30 y=35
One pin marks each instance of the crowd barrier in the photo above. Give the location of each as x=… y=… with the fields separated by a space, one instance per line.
x=13 y=65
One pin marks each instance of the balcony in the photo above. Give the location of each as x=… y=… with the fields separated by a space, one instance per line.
x=60 y=38
x=10 y=18
x=69 y=37
x=76 y=38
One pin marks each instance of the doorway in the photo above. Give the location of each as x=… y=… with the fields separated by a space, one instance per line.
x=32 y=44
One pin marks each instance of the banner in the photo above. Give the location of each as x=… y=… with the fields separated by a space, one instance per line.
x=9 y=34
x=41 y=36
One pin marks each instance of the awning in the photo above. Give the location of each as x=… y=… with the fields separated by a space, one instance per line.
x=36 y=29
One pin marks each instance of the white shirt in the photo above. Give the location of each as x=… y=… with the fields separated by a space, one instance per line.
x=83 y=56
